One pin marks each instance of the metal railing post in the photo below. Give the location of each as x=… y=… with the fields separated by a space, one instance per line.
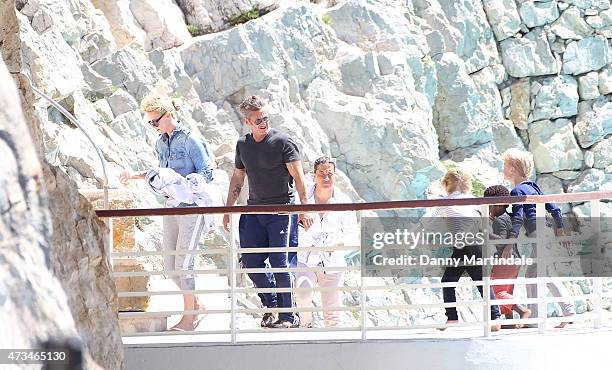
x=362 y=291
x=541 y=268
x=597 y=280
x=232 y=275
x=486 y=287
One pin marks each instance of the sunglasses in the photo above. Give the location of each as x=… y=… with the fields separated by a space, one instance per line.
x=261 y=120
x=155 y=122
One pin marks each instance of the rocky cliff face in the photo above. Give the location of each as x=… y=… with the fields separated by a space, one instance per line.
x=396 y=90
x=76 y=246
x=34 y=306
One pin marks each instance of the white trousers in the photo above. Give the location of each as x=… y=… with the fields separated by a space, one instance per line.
x=328 y=298
x=182 y=233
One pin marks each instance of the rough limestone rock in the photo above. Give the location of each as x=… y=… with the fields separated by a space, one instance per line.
x=567 y=175
x=553 y=146
x=459 y=114
x=124 y=27
x=477 y=48
x=358 y=74
x=121 y=102
x=78 y=262
x=170 y=67
x=34 y=306
x=557 y=97
x=528 y=56
x=602 y=22
x=520 y=104
x=216 y=15
x=81 y=26
x=95 y=85
x=602 y=153
x=39 y=52
x=163 y=21
x=505 y=137
x=130 y=69
x=571 y=25
x=594 y=122
x=503 y=17
x=586 y=55
x=483 y=161
x=584 y=210
x=605 y=81
x=296 y=42
x=591 y=180
x=371 y=26
x=358 y=129
x=553 y=185
x=588 y=86
x=538 y=13
x=589 y=4
x=78 y=255
x=486 y=81
x=441 y=35
x=589 y=159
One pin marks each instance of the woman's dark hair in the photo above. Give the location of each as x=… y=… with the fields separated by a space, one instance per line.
x=323 y=160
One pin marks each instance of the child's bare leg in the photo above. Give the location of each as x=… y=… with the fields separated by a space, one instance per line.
x=524 y=313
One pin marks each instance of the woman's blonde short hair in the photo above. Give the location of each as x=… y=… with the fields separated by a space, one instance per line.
x=520 y=160
x=457 y=180
x=159 y=103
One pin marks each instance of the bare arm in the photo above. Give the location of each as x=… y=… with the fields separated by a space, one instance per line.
x=296 y=171
x=126 y=176
x=235 y=186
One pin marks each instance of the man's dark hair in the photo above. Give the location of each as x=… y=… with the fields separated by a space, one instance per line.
x=251 y=104
x=323 y=160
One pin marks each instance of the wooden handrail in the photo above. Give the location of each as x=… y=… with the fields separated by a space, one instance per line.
x=371 y=206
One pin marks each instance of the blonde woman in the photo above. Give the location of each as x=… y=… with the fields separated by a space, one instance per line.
x=186 y=153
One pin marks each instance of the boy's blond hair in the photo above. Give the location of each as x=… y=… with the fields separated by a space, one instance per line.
x=457 y=180
x=159 y=103
x=520 y=160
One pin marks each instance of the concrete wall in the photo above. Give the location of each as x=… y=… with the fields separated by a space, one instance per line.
x=521 y=351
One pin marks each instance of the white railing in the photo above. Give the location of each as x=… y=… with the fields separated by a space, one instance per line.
x=598 y=316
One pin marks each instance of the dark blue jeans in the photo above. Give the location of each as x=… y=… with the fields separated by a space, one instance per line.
x=454 y=273
x=261 y=231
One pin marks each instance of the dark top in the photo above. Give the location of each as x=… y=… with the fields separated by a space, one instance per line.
x=502 y=227
x=526 y=213
x=265 y=165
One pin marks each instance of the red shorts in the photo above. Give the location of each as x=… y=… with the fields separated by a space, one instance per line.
x=504 y=291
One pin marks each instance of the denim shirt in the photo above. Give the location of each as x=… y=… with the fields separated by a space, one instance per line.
x=184 y=152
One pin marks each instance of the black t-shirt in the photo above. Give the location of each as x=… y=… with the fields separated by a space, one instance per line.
x=502 y=227
x=264 y=162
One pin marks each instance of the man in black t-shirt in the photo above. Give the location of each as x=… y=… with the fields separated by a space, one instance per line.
x=271 y=160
